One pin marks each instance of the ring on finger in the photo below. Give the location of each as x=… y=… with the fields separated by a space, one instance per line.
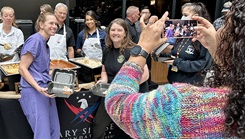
x=151 y=22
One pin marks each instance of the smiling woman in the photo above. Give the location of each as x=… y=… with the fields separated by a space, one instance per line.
x=35 y=101
x=91 y=40
x=114 y=56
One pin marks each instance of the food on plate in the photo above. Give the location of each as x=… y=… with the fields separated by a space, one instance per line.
x=6 y=46
x=89 y=62
x=105 y=92
x=67 y=90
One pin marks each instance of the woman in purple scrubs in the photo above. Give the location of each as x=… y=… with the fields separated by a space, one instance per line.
x=39 y=106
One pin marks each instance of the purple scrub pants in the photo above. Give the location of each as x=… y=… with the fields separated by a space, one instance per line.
x=41 y=113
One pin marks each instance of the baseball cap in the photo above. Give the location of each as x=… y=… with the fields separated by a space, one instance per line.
x=226 y=6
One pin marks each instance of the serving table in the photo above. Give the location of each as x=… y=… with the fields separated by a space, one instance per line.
x=76 y=115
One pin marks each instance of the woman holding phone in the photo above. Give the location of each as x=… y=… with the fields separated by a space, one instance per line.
x=190 y=59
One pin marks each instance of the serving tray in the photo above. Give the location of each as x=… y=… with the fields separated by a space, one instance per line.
x=99 y=89
x=87 y=62
x=62 y=64
x=10 y=68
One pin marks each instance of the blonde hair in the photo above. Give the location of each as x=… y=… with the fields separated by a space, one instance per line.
x=9 y=8
x=41 y=19
x=47 y=8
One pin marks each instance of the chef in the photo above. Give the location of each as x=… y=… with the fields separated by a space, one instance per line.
x=62 y=43
x=10 y=36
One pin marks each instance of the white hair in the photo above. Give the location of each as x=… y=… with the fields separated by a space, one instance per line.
x=61 y=5
x=131 y=10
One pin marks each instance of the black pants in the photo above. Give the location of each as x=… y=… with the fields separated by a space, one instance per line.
x=101 y=121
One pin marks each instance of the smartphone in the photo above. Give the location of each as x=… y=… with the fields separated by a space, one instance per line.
x=177 y=28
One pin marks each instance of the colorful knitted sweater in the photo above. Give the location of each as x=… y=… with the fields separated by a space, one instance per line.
x=171 y=111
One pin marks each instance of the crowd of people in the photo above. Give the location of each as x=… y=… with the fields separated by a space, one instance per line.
x=183 y=108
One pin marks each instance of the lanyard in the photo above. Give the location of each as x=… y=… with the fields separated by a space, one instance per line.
x=182 y=45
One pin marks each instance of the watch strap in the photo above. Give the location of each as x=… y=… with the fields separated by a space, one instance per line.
x=144 y=53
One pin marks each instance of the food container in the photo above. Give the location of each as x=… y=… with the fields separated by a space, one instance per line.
x=10 y=68
x=62 y=64
x=63 y=82
x=87 y=71
x=11 y=74
x=87 y=62
x=100 y=89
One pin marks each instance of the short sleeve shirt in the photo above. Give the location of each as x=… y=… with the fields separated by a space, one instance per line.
x=113 y=61
x=39 y=68
x=70 y=39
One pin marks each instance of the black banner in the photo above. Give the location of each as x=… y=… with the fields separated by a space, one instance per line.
x=76 y=115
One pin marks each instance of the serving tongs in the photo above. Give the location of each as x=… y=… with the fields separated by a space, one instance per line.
x=7 y=57
x=6 y=46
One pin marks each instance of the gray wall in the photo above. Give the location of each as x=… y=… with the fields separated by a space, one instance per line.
x=29 y=9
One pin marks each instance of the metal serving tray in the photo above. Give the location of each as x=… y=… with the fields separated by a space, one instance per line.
x=76 y=60
x=10 y=68
x=99 y=88
x=62 y=78
x=62 y=64
x=163 y=59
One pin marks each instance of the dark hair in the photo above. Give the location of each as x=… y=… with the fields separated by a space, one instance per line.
x=145 y=7
x=229 y=68
x=94 y=16
x=198 y=8
x=126 y=43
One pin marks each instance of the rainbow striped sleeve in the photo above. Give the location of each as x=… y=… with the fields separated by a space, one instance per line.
x=171 y=111
x=143 y=115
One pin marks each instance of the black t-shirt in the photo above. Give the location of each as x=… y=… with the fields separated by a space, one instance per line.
x=132 y=31
x=70 y=39
x=113 y=61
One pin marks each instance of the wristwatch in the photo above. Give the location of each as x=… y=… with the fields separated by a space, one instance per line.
x=138 y=51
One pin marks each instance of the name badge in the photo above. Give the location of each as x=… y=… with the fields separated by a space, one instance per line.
x=174 y=68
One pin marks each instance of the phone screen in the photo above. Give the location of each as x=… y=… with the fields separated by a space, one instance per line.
x=177 y=28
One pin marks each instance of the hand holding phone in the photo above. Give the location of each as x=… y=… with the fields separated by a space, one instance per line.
x=177 y=28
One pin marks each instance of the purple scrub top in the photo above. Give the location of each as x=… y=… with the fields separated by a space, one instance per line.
x=39 y=68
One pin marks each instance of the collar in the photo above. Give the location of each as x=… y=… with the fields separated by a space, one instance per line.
x=129 y=22
x=3 y=33
x=60 y=28
x=95 y=33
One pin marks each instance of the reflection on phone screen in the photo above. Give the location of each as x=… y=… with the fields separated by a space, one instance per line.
x=177 y=28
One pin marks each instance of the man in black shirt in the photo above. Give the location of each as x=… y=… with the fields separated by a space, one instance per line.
x=133 y=15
